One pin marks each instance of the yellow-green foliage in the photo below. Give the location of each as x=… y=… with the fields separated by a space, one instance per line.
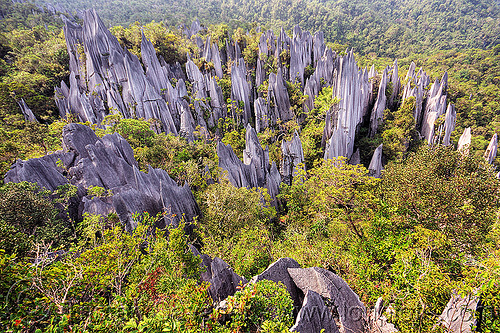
x=263 y=304
x=227 y=210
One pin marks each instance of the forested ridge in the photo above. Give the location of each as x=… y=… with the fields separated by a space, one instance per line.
x=387 y=28
x=150 y=171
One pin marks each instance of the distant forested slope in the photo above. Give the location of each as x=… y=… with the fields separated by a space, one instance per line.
x=386 y=27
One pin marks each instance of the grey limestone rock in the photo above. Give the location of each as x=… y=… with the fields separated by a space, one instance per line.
x=396 y=85
x=445 y=129
x=459 y=314
x=261 y=115
x=377 y=115
x=465 y=141
x=314 y=316
x=108 y=162
x=27 y=113
x=415 y=87
x=194 y=29
x=375 y=167
x=300 y=54
x=36 y=170
x=108 y=79
x=352 y=87
x=76 y=137
x=293 y=155
x=278 y=96
x=156 y=73
x=240 y=89
x=491 y=151
x=352 y=312
x=319 y=46
x=355 y=158
x=255 y=171
x=434 y=107
x=379 y=322
x=223 y=280
x=278 y=272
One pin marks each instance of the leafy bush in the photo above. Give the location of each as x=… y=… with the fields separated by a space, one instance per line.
x=27 y=215
x=263 y=304
x=227 y=210
x=441 y=189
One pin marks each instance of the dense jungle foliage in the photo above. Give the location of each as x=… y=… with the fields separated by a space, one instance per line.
x=427 y=227
x=393 y=28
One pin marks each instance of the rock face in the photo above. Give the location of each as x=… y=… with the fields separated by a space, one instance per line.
x=27 y=113
x=378 y=322
x=314 y=316
x=278 y=272
x=434 y=108
x=352 y=312
x=255 y=170
x=108 y=162
x=223 y=280
x=378 y=110
x=375 y=167
x=351 y=86
x=491 y=151
x=293 y=156
x=459 y=314
x=464 y=141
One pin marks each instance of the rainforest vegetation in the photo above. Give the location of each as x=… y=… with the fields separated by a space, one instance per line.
x=429 y=226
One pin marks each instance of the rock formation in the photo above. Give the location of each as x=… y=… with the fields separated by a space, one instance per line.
x=314 y=316
x=378 y=321
x=293 y=156
x=352 y=87
x=352 y=312
x=491 y=152
x=278 y=272
x=464 y=141
x=434 y=107
x=108 y=162
x=459 y=314
x=255 y=170
x=377 y=115
x=27 y=113
x=223 y=280
x=375 y=167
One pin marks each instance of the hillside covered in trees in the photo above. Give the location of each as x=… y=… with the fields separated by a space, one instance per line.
x=229 y=178
x=388 y=28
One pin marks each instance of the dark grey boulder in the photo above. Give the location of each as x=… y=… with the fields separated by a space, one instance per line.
x=223 y=280
x=314 y=316
x=76 y=137
x=352 y=312
x=109 y=163
x=278 y=272
x=38 y=171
